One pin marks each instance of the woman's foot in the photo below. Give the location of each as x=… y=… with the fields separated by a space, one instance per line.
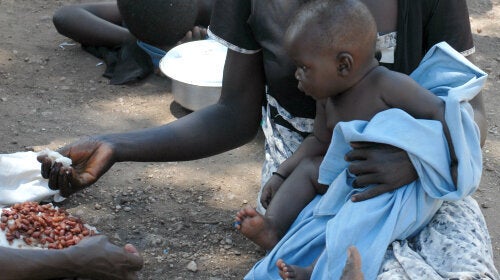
x=294 y=272
x=256 y=227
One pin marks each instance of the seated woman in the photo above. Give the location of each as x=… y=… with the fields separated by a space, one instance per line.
x=156 y=26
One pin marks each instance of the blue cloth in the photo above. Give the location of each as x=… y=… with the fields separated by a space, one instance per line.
x=155 y=53
x=331 y=223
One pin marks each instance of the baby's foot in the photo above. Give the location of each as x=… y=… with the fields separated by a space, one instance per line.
x=294 y=272
x=352 y=268
x=256 y=228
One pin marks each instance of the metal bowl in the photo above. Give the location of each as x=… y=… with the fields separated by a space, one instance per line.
x=194 y=97
x=196 y=72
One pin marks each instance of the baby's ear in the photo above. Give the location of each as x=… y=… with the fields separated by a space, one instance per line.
x=344 y=63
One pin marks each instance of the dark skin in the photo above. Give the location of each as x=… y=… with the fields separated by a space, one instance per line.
x=106 y=261
x=230 y=123
x=351 y=271
x=348 y=84
x=386 y=166
x=100 y=24
x=238 y=109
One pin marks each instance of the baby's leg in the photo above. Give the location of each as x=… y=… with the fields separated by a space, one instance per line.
x=294 y=194
x=298 y=190
x=256 y=228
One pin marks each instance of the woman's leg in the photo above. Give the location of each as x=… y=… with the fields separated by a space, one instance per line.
x=93 y=24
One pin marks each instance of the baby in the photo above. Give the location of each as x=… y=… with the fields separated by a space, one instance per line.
x=332 y=43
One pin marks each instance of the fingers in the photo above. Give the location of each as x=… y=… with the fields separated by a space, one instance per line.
x=371 y=192
x=265 y=198
x=54 y=176
x=134 y=258
x=362 y=145
x=46 y=165
x=196 y=33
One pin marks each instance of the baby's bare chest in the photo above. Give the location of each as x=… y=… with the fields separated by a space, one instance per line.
x=355 y=109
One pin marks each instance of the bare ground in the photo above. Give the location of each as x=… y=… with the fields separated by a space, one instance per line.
x=174 y=213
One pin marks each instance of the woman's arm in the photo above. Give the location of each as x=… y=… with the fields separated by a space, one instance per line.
x=230 y=123
x=93 y=257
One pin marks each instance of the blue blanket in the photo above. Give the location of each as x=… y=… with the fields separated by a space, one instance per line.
x=331 y=223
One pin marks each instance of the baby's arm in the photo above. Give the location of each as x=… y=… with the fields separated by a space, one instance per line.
x=400 y=91
x=313 y=145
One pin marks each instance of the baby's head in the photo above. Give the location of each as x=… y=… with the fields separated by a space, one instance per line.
x=158 y=22
x=330 y=41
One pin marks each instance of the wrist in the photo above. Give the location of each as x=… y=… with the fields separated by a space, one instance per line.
x=279 y=175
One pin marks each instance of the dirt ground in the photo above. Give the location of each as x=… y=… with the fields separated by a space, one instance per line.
x=178 y=214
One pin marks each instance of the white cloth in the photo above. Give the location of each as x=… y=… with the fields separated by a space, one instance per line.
x=21 y=180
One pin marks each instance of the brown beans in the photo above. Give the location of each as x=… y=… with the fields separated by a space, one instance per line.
x=42 y=226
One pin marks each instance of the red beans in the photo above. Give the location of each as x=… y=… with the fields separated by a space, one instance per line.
x=42 y=226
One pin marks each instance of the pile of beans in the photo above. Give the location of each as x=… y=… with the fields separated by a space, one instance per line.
x=42 y=226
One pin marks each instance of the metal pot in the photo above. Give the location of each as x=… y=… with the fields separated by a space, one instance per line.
x=196 y=71
x=194 y=97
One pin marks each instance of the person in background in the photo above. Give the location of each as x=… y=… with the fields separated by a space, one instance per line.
x=259 y=90
x=125 y=31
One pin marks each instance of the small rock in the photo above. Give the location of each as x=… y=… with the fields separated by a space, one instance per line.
x=485 y=205
x=127 y=209
x=97 y=206
x=192 y=266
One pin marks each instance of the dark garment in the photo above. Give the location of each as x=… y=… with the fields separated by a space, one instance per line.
x=253 y=25
x=125 y=64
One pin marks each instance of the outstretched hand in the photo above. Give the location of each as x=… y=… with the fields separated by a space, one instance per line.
x=96 y=258
x=91 y=159
x=385 y=166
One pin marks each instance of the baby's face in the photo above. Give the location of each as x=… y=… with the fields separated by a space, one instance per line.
x=316 y=70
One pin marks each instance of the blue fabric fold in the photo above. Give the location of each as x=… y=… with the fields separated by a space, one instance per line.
x=331 y=223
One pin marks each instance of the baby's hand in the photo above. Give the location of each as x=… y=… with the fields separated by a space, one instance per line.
x=269 y=190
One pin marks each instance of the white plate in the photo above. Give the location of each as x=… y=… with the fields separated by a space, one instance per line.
x=198 y=63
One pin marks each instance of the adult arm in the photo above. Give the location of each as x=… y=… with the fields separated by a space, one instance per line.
x=93 y=257
x=477 y=104
x=228 y=124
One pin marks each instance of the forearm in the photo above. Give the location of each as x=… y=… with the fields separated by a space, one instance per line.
x=228 y=124
x=20 y=264
x=479 y=117
x=477 y=104
x=211 y=131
